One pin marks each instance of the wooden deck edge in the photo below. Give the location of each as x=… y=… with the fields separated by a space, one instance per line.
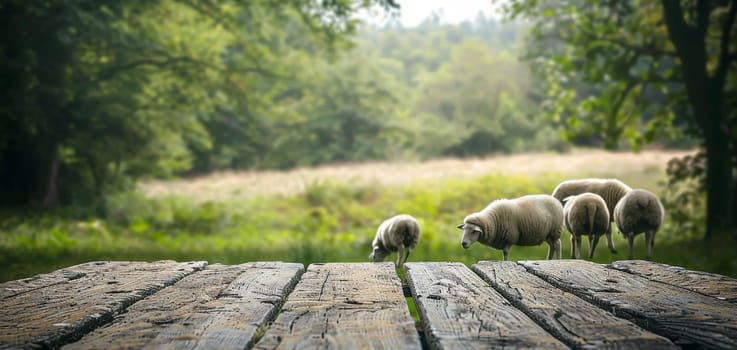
x=705 y=283
x=104 y=317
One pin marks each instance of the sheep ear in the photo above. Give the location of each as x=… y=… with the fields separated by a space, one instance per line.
x=461 y=226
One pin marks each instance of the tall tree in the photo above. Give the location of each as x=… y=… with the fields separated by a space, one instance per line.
x=705 y=80
x=627 y=68
x=99 y=91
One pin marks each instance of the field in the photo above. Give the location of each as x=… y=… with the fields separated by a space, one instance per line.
x=330 y=213
x=644 y=169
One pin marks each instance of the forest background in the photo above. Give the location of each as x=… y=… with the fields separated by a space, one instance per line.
x=114 y=114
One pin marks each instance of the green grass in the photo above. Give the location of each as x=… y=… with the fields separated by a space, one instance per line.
x=328 y=222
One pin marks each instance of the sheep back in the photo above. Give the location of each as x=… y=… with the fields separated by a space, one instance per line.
x=639 y=211
x=398 y=230
x=586 y=213
x=611 y=190
x=525 y=221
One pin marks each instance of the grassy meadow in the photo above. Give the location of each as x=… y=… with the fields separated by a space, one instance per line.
x=330 y=214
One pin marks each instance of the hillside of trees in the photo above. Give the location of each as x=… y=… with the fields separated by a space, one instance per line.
x=102 y=96
x=97 y=95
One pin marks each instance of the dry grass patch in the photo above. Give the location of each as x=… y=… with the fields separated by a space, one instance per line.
x=639 y=170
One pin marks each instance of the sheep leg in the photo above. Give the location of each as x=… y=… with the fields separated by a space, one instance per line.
x=609 y=240
x=552 y=249
x=575 y=247
x=505 y=251
x=650 y=241
x=631 y=241
x=400 y=254
x=559 y=249
x=406 y=255
x=593 y=241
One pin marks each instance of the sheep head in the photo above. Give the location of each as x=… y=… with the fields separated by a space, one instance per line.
x=471 y=231
x=378 y=254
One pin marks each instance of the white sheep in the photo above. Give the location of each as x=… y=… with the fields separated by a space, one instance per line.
x=611 y=190
x=524 y=221
x=639 y=211
x=585 y=214
x=400 y=234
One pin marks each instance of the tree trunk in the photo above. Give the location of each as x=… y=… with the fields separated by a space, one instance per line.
x=719 y=181
x=52 y=191
x=706 y=96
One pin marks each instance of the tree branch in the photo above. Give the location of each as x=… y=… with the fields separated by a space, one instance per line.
x=210 y=10
x=680 y=32
x=612 y=127
x=725 y=57
x=646 y=49
x=618 y=104
x=629 y=117
x=112 y=71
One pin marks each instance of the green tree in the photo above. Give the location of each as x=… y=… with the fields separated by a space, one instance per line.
x=624 y=68
x=102 y=92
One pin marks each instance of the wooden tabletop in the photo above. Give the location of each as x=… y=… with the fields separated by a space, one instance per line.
x=273 y=305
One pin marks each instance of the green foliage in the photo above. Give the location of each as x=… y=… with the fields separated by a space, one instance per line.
x=115 y=92
x=607 y=67
x=101 y=93
x=684 y=196
x=642 y=71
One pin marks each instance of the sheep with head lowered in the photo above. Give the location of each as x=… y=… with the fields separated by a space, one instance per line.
x=611 y=190
x=639 y=211
x=524 y=221
x=585 y=214
x=400 y=234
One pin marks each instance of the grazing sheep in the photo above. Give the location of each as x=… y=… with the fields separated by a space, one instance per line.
x=639 y=211
x=611 y=190
x=585 y=214
x=524 y=221
x=400 y=234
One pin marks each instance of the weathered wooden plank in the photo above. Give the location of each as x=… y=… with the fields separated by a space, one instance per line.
x=718 y=286
x=460 y=311
x=578 y=323
x=12 y=288
x=687 y=318
x=61 y=312
x=344 y=306
x=221 y=307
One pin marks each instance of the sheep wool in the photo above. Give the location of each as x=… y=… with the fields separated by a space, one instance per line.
x=611 y=190
x=400 y=234
x=639 y=211
x=585 y=214
x=524 y=221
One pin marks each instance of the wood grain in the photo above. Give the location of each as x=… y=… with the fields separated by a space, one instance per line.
x=25 y=285
x=55 y=313
x=221 y=307
x=687 y=318
x=718 y=286
x=576 y=322
x=344 y=306
x=461 y=311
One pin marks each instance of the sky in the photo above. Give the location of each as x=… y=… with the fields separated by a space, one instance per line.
x=453 y=11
